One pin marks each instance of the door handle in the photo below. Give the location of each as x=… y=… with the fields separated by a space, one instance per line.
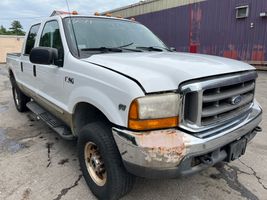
x=34 y=70
x=21 y=66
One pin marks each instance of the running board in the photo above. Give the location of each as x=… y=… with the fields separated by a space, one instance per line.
x=56 y=124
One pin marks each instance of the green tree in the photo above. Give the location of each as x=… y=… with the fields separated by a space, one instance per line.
x=3 y=30
x=16 y=28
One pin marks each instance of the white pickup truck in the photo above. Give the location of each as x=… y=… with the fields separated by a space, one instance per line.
x=136 y=107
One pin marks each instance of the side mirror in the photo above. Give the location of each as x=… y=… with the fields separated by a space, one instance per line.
x=172 y=48
x=44 y=55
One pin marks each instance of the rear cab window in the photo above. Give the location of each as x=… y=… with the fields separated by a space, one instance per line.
x=31 y=39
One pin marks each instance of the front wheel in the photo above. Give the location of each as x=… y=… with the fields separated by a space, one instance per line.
x=101 y=163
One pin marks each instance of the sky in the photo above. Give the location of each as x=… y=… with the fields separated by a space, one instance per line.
x=28 y=11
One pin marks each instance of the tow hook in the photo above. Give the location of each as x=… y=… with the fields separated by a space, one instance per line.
x=258 y=129
x=206 y=160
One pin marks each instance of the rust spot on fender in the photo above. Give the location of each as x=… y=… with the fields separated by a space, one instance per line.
x=163 y=145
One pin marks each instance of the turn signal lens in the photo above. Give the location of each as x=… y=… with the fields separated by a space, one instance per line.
x=133 y=113
x=153 y=123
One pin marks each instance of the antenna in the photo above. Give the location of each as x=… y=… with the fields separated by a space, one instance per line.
x=73 y=28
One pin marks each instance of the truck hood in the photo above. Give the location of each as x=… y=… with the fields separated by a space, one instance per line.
x=163 y=71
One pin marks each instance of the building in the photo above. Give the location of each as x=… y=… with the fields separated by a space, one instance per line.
x=10 y=44
x=231 y=28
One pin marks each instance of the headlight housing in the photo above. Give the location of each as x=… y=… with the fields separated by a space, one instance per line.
x=154 y=112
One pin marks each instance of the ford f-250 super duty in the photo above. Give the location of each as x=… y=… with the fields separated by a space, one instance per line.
x=136 y=107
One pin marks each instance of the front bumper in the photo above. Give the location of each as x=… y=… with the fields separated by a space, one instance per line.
x=172 y=153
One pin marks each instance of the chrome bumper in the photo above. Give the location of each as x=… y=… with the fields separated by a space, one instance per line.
x=167 y=149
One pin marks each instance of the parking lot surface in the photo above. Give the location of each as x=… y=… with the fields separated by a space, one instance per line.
x=36 y=164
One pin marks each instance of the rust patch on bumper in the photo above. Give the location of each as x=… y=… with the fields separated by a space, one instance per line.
x=163 y=145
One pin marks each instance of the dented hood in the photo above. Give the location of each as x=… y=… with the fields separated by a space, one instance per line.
x=162 y=71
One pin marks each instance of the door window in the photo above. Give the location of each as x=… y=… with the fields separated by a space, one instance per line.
x=31 y=38
x=51 y=38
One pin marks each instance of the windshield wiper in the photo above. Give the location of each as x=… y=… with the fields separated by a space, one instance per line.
x=103 y=49
x=112 y=49
x=155 y=48
x=151 y=48
x=125 y=45
x=134 y=50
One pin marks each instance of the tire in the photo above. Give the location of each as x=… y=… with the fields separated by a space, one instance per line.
x=20 y=99
x=114 y=181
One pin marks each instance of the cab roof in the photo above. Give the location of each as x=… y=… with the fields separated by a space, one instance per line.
x=93 y=16
x=64 y=14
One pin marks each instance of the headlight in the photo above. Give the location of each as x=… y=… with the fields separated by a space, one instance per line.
x=154 y=111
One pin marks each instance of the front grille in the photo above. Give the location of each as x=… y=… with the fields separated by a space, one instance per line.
x=218 y=105
x=214 y=101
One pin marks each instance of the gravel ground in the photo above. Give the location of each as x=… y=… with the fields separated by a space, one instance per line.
x=36 y=164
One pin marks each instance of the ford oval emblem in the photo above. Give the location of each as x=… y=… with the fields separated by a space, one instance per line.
x=236 y=100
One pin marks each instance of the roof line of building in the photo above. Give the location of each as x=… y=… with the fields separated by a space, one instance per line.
x=149 y=6
x=129 y=6
x=12 y=36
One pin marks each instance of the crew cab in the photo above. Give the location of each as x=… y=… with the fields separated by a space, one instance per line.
x=135 y=106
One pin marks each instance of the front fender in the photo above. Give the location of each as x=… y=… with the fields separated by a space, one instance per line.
x=99 y=100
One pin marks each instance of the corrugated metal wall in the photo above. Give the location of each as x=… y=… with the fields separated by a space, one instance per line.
x=211 y=27
x=149 y=6
x=218 y=32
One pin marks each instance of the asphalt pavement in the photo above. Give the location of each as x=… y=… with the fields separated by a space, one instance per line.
x=36 y=164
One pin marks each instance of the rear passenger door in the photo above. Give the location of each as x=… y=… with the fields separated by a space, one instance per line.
x=50 y=77
x=26 y=76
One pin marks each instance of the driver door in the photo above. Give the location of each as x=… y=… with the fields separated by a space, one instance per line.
x=49 y=77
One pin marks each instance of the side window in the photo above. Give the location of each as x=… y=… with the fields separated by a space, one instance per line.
x=31 y=39
x=242 y=12
x=51 y=38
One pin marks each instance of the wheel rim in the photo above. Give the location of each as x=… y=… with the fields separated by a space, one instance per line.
x=94 y=163
x=16 y=96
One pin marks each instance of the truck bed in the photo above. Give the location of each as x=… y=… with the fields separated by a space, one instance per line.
x=13 y=54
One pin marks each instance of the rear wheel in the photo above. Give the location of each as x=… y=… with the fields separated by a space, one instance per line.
x=101 y=163
x=20 y=99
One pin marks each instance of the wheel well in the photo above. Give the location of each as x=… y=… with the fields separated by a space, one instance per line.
x=10 y=73
x=11 y=76
x=84 y=114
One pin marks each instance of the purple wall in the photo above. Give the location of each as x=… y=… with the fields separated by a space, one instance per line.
x=211 y=27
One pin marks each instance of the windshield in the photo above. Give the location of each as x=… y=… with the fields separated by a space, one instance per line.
x=96 y=33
